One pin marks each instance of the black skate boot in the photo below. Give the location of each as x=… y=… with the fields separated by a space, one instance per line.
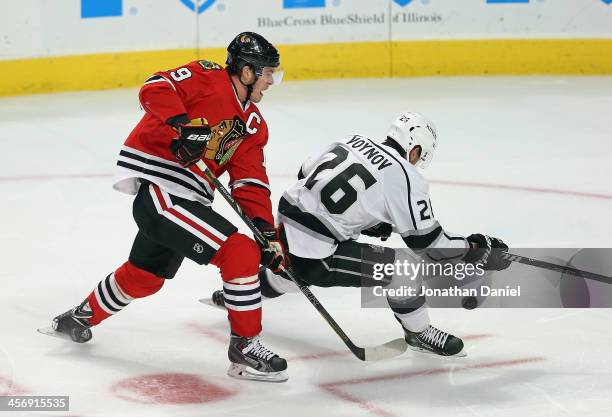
x=435 y=341
x=250 y=360
x=75 y=323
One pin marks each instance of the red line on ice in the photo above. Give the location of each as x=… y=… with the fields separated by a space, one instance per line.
x=53 y=177
x=435 y=371
x=509 y=187
x=539 y=190
x=334 y=387
x=222 y=338
x=321 y=355
x=476 y=336
x=8 y=387
x=333 y=353
x=211 y=334
x=358 y=401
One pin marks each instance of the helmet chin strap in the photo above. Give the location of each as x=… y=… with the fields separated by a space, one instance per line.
x=249 y=87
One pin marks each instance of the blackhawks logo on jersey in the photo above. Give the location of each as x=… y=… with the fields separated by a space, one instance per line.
x=227 y=135
x=209 y=65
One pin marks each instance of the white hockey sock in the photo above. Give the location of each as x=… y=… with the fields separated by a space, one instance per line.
x=415 y=321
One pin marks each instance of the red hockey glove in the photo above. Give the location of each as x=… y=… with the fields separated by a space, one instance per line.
x=190 y=146
x=274 y=256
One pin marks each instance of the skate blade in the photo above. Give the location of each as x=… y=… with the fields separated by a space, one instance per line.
x=243 y=372
x=49 y=331
x=209 y=301
x=461 y=354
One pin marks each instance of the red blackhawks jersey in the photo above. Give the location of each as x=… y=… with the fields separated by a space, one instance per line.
x=200 y=89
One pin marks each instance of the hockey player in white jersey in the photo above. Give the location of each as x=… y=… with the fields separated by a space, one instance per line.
x=361 y=186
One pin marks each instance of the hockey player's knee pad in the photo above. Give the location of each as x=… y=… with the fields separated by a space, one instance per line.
x=136 y=282
x=238 y=257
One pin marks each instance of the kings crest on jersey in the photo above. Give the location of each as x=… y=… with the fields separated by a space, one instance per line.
x=353 y=185
x=200 y=89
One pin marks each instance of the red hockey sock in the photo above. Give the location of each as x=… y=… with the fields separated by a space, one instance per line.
x=238 y=261
x=118 y=289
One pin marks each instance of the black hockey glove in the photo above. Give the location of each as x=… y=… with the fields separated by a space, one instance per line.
x=487 y=251
x=274 y=255
x=189 y=147
x=381 y=230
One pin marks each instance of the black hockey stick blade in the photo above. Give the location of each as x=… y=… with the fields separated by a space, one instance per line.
x=559 y=268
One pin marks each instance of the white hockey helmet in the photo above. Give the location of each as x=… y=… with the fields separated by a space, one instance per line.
x=413 y=129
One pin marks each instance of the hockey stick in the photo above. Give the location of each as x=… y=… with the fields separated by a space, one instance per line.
x=554 y=267
x=387 y=350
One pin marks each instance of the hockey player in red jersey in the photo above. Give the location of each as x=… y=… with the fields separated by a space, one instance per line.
x=198 y=111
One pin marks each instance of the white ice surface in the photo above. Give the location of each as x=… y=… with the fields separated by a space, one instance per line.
x=64 y=228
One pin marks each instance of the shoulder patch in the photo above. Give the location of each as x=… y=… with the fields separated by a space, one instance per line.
x=209 y=65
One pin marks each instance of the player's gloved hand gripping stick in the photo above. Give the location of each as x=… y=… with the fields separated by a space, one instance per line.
x=387 y=350
x=496 y=257
x=191 y=143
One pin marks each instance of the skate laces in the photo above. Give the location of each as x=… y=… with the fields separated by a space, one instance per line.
x=434 y=336
x=257 y=349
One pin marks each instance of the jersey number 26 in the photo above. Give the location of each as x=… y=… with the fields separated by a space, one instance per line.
x=340 y=182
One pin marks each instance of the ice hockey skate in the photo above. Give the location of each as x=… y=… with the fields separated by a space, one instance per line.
x=435 y=341
x=250 y=360
x=73 y=324
x=216 y=300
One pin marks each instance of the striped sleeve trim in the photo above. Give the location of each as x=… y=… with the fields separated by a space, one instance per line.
x=144 y=163
x=423 y=241
x=456 y=237
x=249 y=181
x=158 y=79
x=421 y=232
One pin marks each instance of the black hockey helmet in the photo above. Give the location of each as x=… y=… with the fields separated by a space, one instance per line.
x=249 y=48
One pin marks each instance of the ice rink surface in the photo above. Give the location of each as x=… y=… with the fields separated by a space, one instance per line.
x=525 y=159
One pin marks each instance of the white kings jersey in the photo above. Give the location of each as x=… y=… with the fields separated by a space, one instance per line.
x=353 y=185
